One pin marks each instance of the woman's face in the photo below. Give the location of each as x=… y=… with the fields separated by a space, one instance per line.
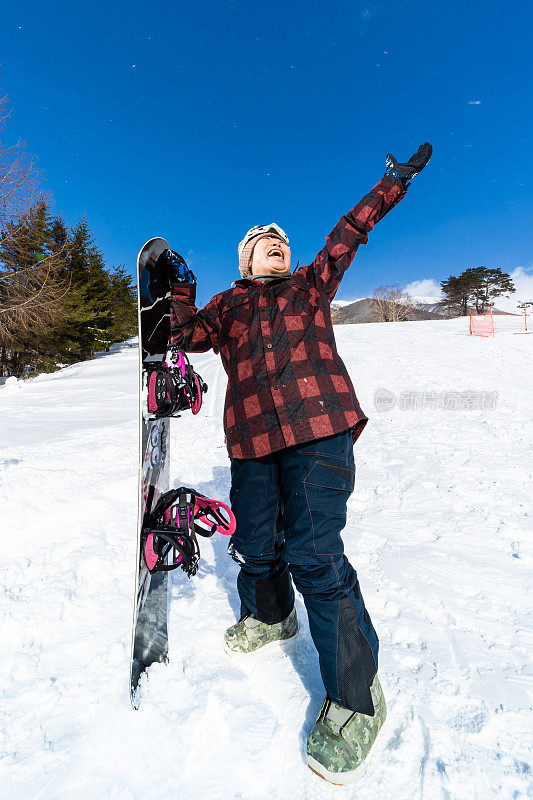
x=271 y=256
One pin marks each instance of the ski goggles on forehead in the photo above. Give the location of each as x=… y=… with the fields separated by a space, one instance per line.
x=260 y=230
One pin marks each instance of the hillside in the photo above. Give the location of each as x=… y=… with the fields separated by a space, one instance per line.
x=362 y=310
x=439 y=529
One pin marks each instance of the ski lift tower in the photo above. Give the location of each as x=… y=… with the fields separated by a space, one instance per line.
x=525 y=306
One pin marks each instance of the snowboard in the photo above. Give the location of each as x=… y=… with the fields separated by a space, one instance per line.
x=150 y=634
x=169 y=520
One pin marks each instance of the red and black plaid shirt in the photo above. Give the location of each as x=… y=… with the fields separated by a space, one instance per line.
x=286 y=382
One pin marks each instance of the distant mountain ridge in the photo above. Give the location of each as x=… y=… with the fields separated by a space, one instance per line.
x=344 y=312
x=362 y=310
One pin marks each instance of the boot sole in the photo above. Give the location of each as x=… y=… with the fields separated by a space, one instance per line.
x=279 y=644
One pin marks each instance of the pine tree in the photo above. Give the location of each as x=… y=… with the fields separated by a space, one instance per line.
x=88 y=310
x=58 y=302
x=476 y=285
x=486 y=284
x=32 y=289
x=456 y=292
x=124 y=305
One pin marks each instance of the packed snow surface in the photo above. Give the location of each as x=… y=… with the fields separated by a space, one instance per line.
x=437 y=528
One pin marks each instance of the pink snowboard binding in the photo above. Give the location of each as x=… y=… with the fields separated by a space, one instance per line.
x=174 y=386
x=171 y=530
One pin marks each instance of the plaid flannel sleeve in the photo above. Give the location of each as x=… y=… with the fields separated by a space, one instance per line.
x=194 y=330
x=333 y=260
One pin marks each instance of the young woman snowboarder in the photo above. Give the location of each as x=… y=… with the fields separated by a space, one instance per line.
x=291 y=417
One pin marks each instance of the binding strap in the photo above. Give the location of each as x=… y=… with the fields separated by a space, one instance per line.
x=169 y=537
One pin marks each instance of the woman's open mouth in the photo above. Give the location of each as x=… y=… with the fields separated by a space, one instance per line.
x=277 y=253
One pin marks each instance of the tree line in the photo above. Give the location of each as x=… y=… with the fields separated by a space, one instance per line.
x=476 y=287
x=59 y=302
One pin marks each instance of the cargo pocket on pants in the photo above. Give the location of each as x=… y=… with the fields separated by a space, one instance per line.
x=327 y=487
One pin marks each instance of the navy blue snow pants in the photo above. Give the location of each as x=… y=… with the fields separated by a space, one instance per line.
x=290 y=508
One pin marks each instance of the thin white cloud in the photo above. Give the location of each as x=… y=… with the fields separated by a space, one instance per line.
x=522 y=278
x=474 y=102
x=426 y=288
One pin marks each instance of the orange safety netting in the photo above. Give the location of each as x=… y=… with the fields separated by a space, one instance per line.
x=482 y=326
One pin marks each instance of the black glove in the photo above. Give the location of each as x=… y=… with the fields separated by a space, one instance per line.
x=406 y=172
x=177 y=269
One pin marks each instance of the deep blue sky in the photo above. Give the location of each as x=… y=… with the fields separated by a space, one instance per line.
x=197 y=120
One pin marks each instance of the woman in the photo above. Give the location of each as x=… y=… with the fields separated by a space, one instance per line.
x=291 y=417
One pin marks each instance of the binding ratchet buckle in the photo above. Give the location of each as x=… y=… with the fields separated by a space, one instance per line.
x=174 y=386
x=169 y=536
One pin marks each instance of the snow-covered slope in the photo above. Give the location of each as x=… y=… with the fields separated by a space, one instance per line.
x=438 y=529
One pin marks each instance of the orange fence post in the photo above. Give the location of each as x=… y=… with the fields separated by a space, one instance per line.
x=525 y=305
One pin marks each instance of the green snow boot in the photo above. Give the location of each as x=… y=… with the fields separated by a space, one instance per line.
x=342 y=739
x=250 y=635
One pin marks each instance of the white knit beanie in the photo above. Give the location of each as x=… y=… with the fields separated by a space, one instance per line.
x=246 y=254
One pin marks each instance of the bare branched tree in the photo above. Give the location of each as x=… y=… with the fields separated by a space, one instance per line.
x=19 y=178
x=31 y=291
x=32 y=283
x=391 y=304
